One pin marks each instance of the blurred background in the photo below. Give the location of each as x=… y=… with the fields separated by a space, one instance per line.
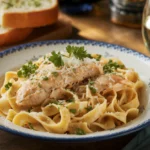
x=77 y=6
x=112 y=21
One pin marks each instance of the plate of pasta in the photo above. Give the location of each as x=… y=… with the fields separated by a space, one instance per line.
x=73 y=90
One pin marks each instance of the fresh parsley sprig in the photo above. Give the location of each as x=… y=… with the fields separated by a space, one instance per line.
x=56 y=59
x=111 y=66
x=27 y=69
x=79 y=52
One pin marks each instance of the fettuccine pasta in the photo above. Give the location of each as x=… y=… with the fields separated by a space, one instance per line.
x=71 y=92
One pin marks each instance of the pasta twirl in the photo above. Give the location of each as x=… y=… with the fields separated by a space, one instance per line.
x=71 y=92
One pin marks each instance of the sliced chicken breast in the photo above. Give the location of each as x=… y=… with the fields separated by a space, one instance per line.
x=108 y=81
x=34 y=92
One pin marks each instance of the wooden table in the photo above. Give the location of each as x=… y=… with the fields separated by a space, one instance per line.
x=13 y=142
x=97 y=26
x=94 y=26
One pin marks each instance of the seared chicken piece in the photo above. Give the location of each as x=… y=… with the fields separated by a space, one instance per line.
x=108 y=81
x=35 y=92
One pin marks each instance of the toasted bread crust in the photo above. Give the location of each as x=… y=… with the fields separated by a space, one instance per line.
x=14 y=36
x=30 y=19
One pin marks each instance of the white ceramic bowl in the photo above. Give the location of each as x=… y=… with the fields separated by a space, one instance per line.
x=17 y=56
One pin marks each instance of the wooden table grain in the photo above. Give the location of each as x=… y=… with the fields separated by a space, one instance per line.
x=94 y=26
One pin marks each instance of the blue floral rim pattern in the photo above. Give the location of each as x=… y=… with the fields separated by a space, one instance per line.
x=85 y=42
x=85 y=138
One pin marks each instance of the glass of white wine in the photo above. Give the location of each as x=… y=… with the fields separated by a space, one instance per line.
x=146 y=25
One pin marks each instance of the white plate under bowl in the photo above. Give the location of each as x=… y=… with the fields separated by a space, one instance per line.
x=17 y=56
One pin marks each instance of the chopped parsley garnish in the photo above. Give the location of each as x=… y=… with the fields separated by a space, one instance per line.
x=30 y=126
x=98 y=57
x=92 y=89
x=55 y=74
x=89 y=108
x=56 y=102
x=27 y=69
x=71 y=100
x=111 y=66
x=45 y=78
x=56 y=59
x=91 y=82
x=79 y=131
x=44 y=57
x=39 y=85
x=79 y=52
x=73 y=111
x=89 y=56
x=74 y=70
x=8 y=85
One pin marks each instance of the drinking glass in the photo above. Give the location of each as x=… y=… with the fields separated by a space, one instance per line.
x=127 y=12
x=146 y=25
